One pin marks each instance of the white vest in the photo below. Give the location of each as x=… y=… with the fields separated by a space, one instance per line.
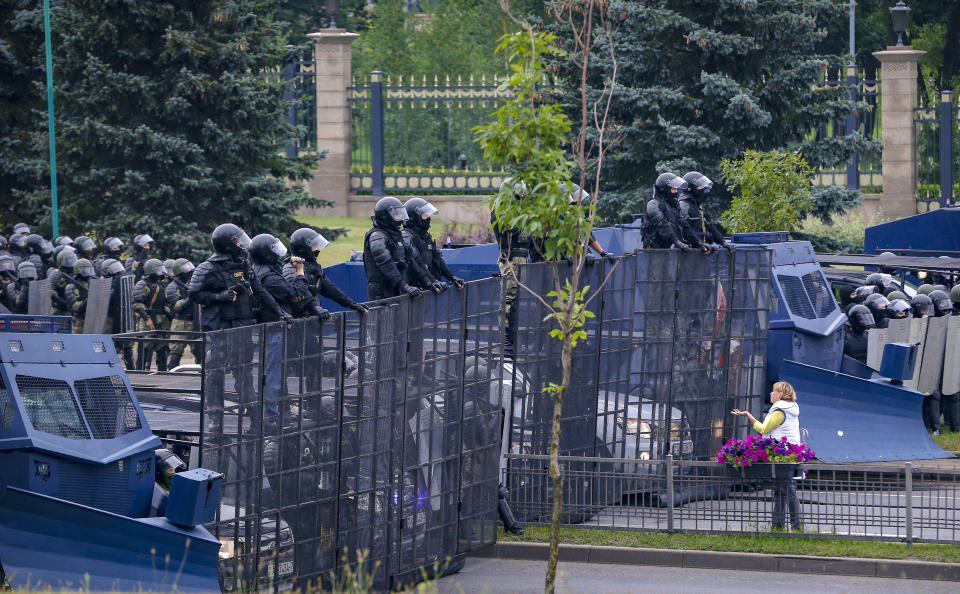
x=790 y=427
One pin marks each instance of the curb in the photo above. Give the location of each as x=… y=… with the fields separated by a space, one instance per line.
x=880 y=568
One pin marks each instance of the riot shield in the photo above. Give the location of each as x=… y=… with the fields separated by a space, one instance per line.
x=126 y=303
x=951 y=357
x=196 y=317
x=918 y=332
x=931 y=365
x=98 y=302
x=877 y=338
x=40 y=295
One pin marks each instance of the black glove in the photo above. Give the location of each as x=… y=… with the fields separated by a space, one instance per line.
x=227 y=295
x=609 y=256
x=287 y=318
x=729 y=246
x=359 y=308
x=458 y=283
x=440 y=286
x=412 y=291
x=323 y=314
x=683 y=247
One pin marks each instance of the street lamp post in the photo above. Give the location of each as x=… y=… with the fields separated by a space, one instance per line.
x=55 y=218
x=899 y=13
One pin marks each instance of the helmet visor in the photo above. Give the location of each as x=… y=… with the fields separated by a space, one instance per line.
x=27 y=273
x=679 y=183
x=46 y=247
x=68 y=259
x=113 y=244
x=943 y=304
x=85 y=270
x=187 y=267
x=924 y=309
x=576 y=193
x=278 y=248
x=7 y=266
x=702 y=182
x=318 y=243
x=243 y=240
x=427 y=210
x=114 y=269
x=398 y=214
x=144 y=240
x=161 y=270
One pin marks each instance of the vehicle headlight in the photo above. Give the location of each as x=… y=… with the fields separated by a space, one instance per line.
x=227 y=549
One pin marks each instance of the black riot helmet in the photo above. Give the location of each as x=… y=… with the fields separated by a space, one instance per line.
x=230 y=240
x=899 y=308
x=21 y=229
x=18 y=244
x=419 y=212
x=85 y=247
x=389 y=213
x=700 y=184
x=879 y=281
x=111 y=268
x=66 y=260
x=38 y=245
x=305 y=243
x=941 y=303
x=861 y=293
x=955 y=294
x=879 y=307
x=266 y=249
x=922 y=305
x=154 y=268
x=27 y=271
x=112 y=247
x=860 y=318
x=62 y=240
x=887 y=269
x=8 y=265
x=667 y=182
x=83 y=268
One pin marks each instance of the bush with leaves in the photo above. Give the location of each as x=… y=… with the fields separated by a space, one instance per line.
x=771 y=191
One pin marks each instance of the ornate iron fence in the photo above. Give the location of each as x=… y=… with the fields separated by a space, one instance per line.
x=862 y=171
x=938 y=152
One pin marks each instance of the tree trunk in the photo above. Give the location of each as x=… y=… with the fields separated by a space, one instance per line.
x=566 y=361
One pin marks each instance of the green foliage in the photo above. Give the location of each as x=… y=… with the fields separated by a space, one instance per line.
x=165 y=124
x=771 y=191
x=843 y=235
x=701 y=81
x=578 y=316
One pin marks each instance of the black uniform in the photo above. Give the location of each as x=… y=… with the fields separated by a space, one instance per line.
x=18 y=296
x=662 y=227
x=695 y=221
x=212 y=286
x=426 y=265
x=284 y=293
x=315 y=284
x=385 y=262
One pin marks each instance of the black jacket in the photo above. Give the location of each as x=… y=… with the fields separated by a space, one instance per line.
x=18 y=296
x=695 y=220
x=426 y=261
x=284 y=293
x=385 y=262
x=855 y=345
x=134 y=264
x=662 y=227
x=313 y=284
x=209 y=287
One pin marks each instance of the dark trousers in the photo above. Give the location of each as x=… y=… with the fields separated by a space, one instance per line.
x=950 y=409
x=931 y=411
x=784 y=498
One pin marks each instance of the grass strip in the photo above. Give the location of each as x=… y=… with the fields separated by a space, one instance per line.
x=948 y=440
x=941 y=553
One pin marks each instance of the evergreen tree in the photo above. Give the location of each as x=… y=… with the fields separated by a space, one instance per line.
x=700 y=80
x=21 y=101
x=167 y=124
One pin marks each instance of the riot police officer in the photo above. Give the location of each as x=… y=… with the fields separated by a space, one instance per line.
x=18 y=247
x=860 y=320
x=515 y=249
x=224 y=284
x=112 y=249
x=86 y=248
x=305 y=244
x=8 y=275
x=61 y=240
x=662 y=227
x=18 y=293
x=21 y=229
x=60 y=277
x=879 y=307
x=150 y=309
x=692 y=215
x=427 y=268
x=942 y=306
x=141 y=253
x=77 y=291
x=384 y=257
x=922 y=305
x=40 y=253
x=180 y=309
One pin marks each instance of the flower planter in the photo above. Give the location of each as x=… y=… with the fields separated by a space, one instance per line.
x=770 y=470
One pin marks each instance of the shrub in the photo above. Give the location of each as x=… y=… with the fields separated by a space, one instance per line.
x=771 y=191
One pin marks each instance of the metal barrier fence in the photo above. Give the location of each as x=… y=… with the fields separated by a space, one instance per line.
x=938 y=152
x=678 y=340
x=376 y=435
x=891 y=503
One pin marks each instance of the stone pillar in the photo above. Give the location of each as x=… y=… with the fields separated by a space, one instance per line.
x=331 y=180
x=898 y=76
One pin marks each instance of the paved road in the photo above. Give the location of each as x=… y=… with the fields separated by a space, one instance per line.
x=498 y=575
